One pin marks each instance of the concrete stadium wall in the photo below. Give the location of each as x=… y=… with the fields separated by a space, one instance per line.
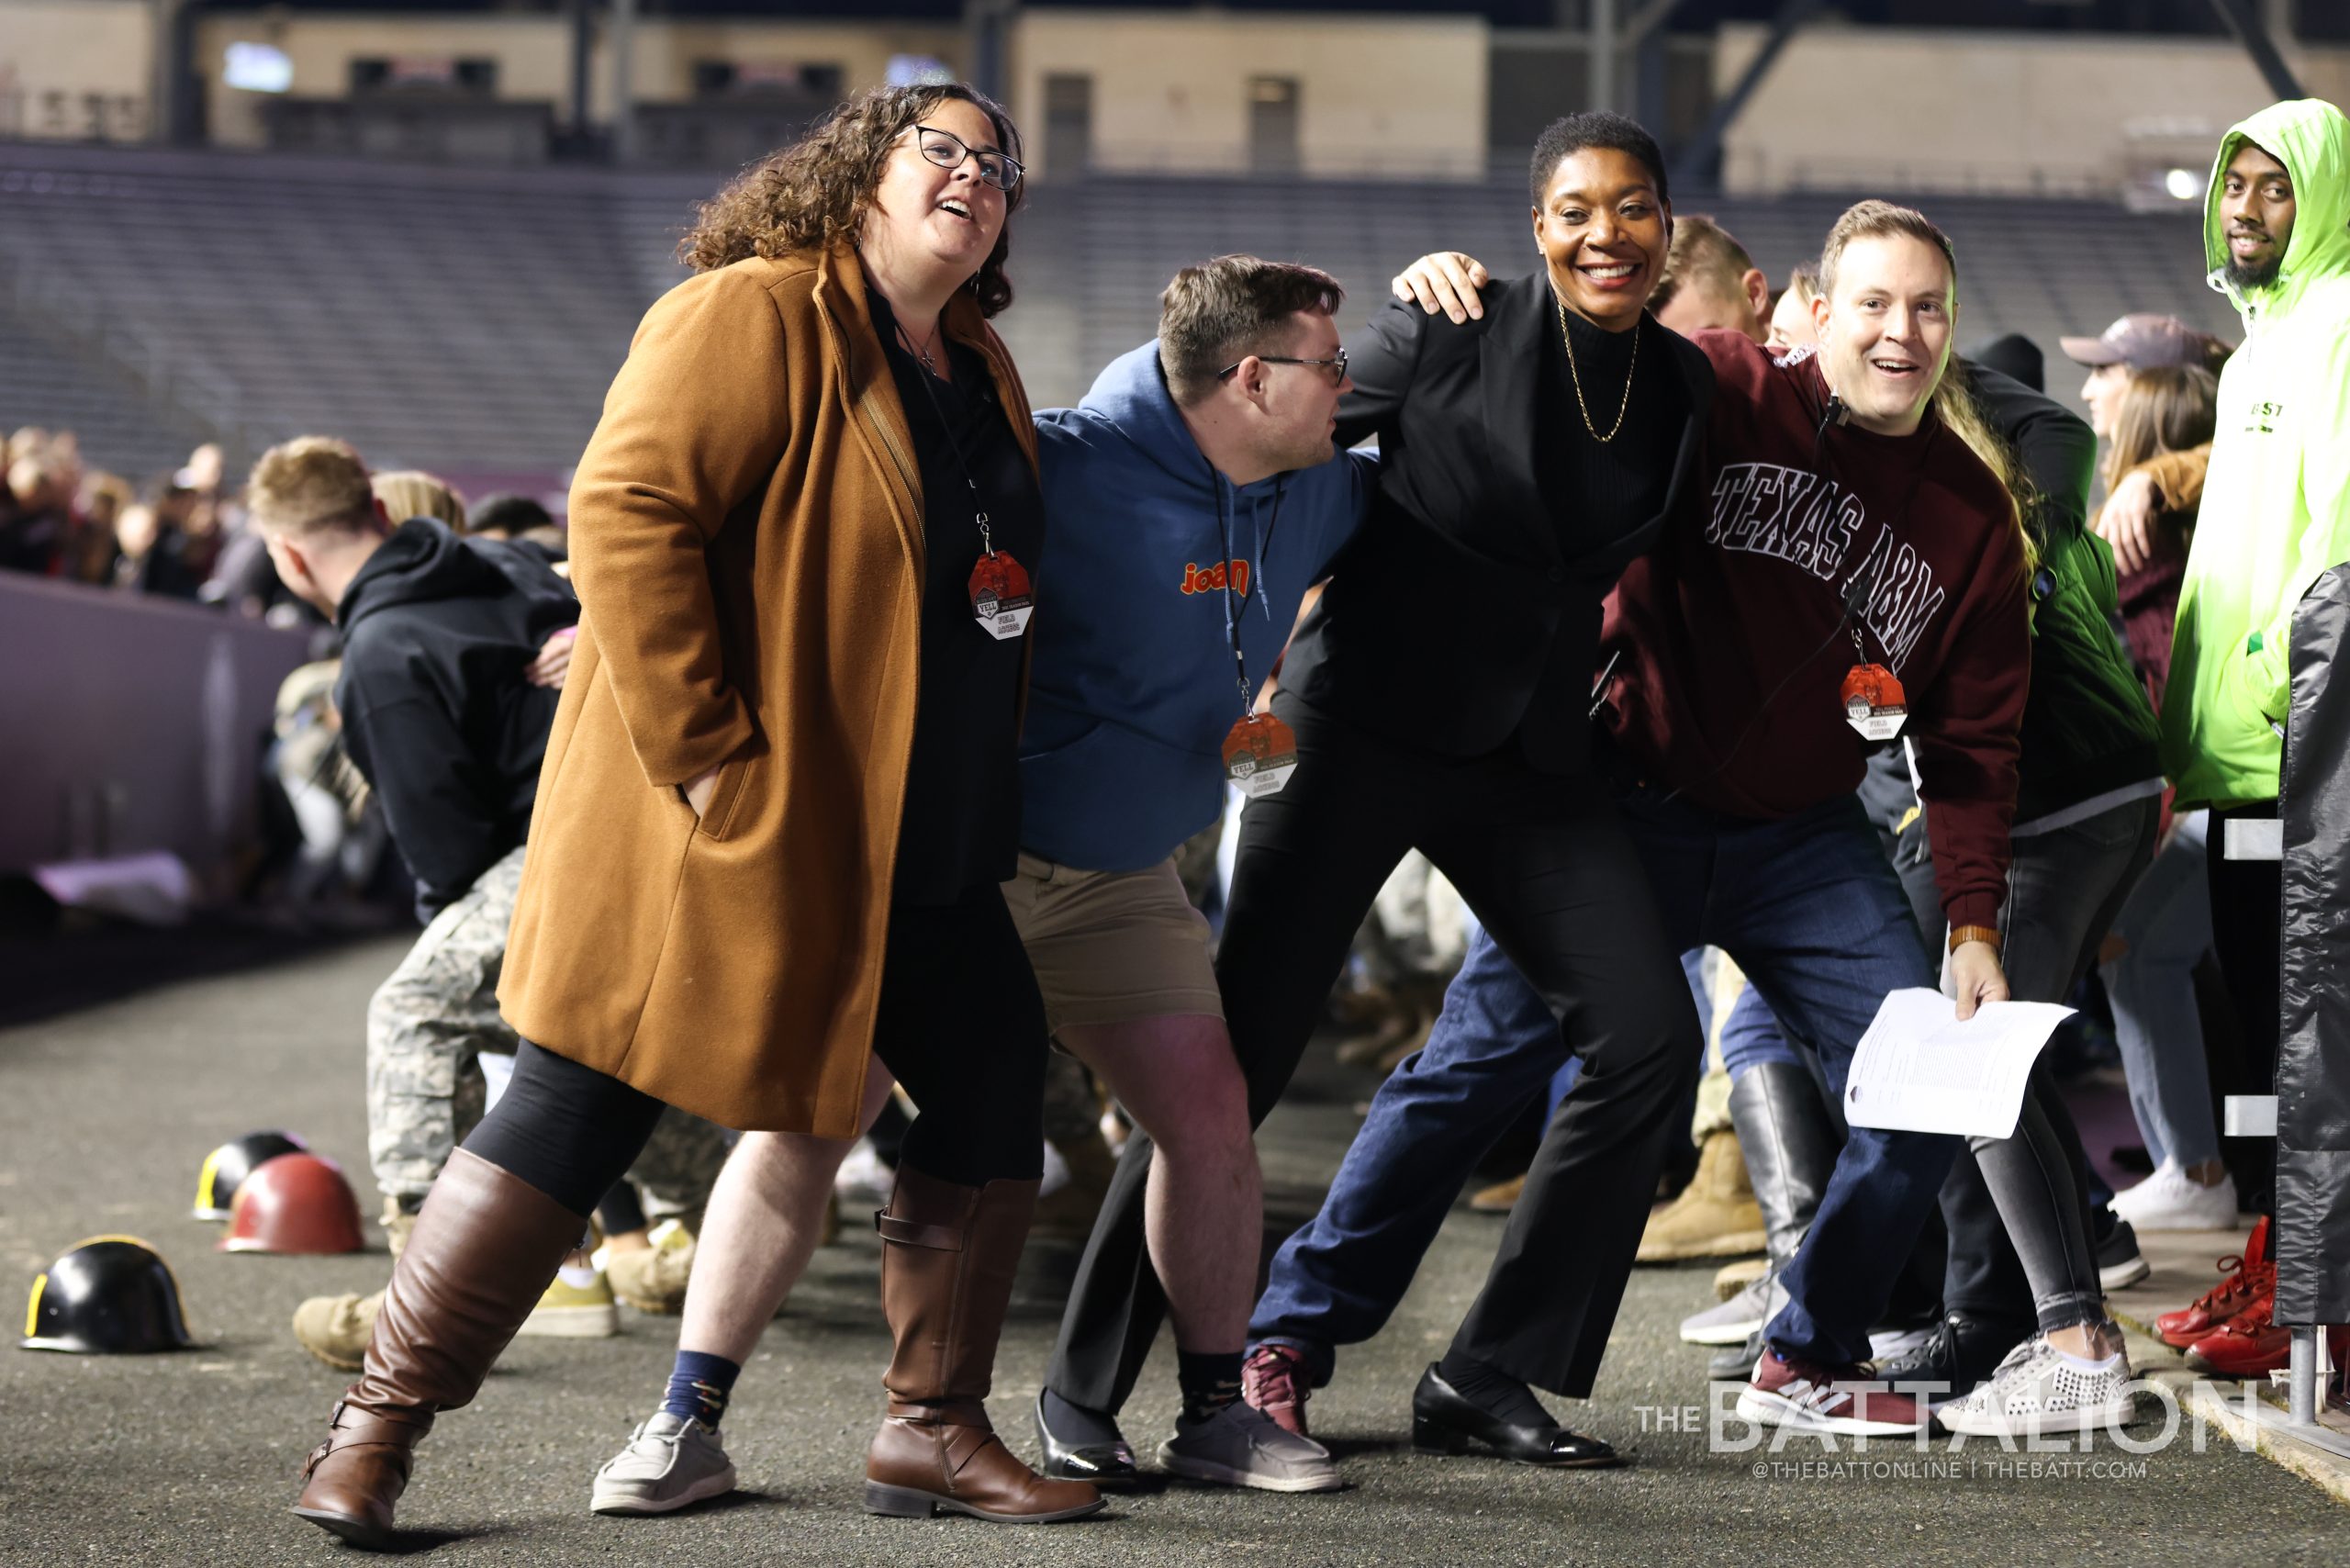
x=2076 y=115
x=662 y=64
x=533 y=55
x=56 y=56
x=1379 y=95
x=130 y=724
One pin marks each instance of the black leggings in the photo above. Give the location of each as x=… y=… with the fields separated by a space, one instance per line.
x=961 y=1023
x=2247 y=935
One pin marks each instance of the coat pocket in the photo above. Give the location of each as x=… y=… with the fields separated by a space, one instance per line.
x=719 y=821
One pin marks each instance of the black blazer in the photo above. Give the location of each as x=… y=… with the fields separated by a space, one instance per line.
x=1455 y=603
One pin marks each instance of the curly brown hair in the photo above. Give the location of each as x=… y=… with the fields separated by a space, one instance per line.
x=817 y=191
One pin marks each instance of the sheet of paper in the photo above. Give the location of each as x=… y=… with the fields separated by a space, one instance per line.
x=1919 y=1070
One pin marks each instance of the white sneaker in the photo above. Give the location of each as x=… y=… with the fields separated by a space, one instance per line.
x=862 y=1176
x=668 y=1463
x=2039 y=1389
x=2171 y=1200
x=1735 y=1320
x=1885 y=1344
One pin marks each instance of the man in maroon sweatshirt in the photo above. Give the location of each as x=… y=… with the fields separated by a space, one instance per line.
x=1854 y=572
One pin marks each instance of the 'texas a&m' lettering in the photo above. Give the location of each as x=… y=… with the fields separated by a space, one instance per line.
x=1211 y=579
x=1811 y=521
x=1792 y=513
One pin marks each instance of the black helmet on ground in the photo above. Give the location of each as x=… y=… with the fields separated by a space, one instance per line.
x=226 y=1167
x=111 y=1295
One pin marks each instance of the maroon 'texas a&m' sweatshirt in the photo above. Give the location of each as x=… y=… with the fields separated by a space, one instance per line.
x=1746 y=589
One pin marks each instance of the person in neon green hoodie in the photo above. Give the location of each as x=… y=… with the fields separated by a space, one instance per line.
x=2276 y=515
x=2276 y=507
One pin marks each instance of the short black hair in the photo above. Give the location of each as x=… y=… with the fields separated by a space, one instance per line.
x=508 y=514
x=1593 y=128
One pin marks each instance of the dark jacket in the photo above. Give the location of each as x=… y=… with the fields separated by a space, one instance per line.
x=1456 y=602
x=2087 y=726
x=2313 y=1048
x=436 y=710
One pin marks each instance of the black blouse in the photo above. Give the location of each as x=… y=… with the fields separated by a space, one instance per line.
x=961 y=822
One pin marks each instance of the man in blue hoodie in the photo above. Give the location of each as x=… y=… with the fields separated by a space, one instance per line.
x=1192 y=498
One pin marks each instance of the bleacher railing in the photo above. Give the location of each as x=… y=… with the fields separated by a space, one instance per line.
x=177 y=389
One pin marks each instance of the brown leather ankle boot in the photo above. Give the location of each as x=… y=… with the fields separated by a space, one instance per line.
x=483 y=1250
x=947 y=1258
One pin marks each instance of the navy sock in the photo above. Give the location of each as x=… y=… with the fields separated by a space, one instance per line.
x=1210 y=1380
x=700 y=1386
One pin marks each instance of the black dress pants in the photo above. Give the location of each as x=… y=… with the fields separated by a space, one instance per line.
x=961 y=1023
x=2248 y=935
x=1543 y=861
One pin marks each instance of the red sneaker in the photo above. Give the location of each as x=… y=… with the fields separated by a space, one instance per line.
x=2248 y=1344
x=2253 y=1277
x=1273 y=1380
x=1820 y=1398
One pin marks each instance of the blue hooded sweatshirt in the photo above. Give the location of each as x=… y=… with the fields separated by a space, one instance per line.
x=1133 y=687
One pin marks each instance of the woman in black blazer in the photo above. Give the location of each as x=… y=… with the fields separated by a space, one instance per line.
x=1438 y=694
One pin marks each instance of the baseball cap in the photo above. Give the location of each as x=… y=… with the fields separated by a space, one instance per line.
x=2147 y=342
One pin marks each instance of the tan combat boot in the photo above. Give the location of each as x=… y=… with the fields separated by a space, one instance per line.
x=1714 y=1217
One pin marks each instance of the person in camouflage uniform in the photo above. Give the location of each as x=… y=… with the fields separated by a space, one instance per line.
x=454 y=652
x=428 y=1024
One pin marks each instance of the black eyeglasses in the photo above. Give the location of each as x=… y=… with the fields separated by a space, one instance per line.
x=1340 y=364
x=947 y=150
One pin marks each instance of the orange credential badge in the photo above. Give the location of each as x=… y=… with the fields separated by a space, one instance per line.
x=1259 y=754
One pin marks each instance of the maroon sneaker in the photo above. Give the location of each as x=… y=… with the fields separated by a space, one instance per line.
x=1814 y=1396
x=1273 y=1380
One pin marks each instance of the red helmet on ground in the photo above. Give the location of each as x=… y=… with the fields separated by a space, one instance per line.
x=296 y=1202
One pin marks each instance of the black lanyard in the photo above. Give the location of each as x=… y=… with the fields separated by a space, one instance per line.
x=946 y=426
x=1856 y=604
x=1235 y=609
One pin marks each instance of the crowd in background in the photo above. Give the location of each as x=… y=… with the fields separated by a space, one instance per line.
x=182 y=534
x=178 y=534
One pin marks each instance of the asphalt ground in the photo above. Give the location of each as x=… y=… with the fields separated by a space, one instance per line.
x=107 y=1111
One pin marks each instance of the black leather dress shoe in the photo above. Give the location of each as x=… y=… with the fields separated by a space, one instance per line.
x=1444 y=1422
x=1104 y=1464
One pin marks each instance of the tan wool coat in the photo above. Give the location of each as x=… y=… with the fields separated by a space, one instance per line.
x=746 y=539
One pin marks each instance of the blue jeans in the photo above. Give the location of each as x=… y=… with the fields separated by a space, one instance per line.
x=1809 y=908
x=2167 y=923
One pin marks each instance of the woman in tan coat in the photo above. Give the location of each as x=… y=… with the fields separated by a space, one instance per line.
x=780 y=794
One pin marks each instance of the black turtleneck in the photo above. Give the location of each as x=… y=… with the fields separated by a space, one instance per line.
x=1596 y=491
x=1599 y=491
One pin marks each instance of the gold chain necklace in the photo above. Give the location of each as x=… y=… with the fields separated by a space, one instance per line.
x=1577 y=376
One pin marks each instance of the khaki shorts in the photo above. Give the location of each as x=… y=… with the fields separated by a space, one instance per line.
x=1113 y=946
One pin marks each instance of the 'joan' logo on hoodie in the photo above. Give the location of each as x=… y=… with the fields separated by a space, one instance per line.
x=1211 y=579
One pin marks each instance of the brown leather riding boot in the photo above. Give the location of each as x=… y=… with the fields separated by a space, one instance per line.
x=483 y=1250
x=947 y=1258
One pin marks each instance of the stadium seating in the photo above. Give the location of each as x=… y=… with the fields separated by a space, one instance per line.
x=470 y=319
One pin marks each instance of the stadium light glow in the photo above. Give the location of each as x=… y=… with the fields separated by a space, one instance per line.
x=917 y=70
x=2183 y=184
x=257 y=68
